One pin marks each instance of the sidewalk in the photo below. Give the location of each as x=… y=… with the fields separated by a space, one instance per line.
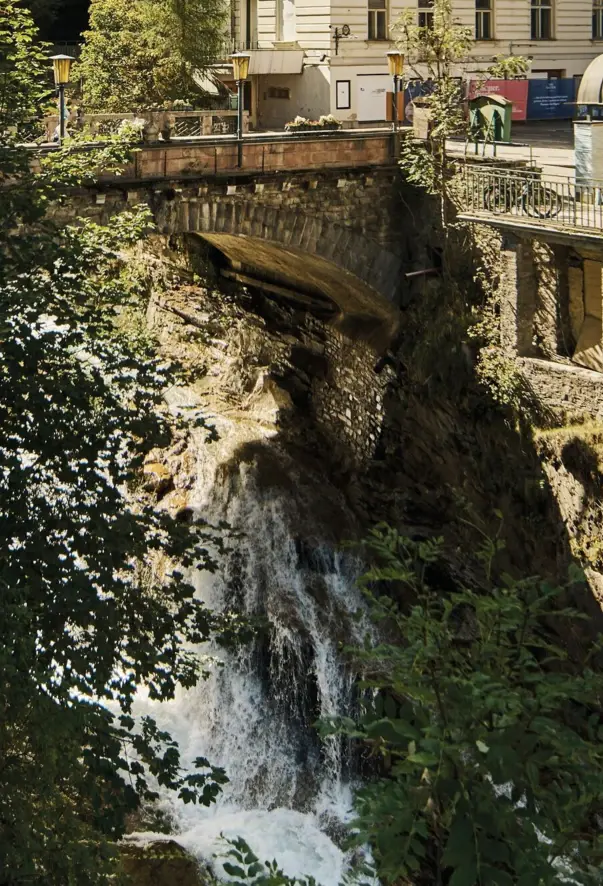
x=548 y=145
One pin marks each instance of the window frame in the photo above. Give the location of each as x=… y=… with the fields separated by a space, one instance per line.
x=597 y=31
x=484 y=15
x=538 y=7
x=425 y=14
x=375 y=14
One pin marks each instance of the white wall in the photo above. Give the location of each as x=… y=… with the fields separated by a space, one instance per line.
x=309 y=96
x=369 y=77
x=314 y=92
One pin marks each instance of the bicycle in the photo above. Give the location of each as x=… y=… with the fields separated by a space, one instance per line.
x=527 y=195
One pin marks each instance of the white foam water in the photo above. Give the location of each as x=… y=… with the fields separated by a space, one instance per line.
x=254 y=714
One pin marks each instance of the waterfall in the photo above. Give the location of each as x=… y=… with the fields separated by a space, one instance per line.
x=288 y=793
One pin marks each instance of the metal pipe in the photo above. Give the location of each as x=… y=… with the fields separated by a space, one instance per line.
x=240 y=87
x=62 y=113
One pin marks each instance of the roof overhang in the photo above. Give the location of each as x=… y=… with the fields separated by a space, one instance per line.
x=276 y=61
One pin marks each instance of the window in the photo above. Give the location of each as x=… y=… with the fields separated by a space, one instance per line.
x=426 y=17
x=483 y=19
x=597 y=19
x=542 y=19
x=279 y=92
x=377 y=19
x=285 y=21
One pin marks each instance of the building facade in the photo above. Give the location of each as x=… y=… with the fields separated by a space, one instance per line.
x=311 y=58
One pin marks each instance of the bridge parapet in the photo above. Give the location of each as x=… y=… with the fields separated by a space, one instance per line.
x=218 y=156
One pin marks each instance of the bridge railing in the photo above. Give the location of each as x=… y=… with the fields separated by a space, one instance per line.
x=176 y=124
x=529 y=196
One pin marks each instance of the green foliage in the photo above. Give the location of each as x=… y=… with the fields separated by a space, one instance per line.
x=95 y=598
x=24 y=81
x=502 y=377
x=44 y=12
x=437 y=54
x=509 y=67
x=144 y=53
x=434 y=53
x=490 y=737
x=246 y=869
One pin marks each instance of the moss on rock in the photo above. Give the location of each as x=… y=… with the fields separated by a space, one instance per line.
x=160 y=863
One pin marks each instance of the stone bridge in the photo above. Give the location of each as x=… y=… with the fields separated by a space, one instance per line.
x=316 y=217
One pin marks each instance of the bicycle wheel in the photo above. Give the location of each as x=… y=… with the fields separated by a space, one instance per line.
x=492 y=198
x=552 y=204
x=540 y=202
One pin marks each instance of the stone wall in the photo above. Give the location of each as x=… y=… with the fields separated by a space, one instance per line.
x=551 y=312
x=565 y=387
x=261 y=155
x=269 y=362
x=348 y=402
x=353 y=219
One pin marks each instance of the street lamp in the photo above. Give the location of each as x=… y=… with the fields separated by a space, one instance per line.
x=240 y=64
x=62 y=68
x=395 y=61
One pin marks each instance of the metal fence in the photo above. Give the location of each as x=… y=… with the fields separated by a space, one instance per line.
x=553 y=200
x=176 y=124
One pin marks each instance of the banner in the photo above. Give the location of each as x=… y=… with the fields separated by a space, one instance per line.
x=551 y=99
x=515 y=90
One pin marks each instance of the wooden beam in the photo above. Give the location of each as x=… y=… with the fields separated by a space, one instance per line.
x=316 y=304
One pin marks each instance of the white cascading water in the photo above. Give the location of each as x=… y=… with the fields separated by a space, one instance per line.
x=253 y=716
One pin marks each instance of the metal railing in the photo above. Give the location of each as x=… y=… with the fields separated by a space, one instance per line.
x=527 y=194
x=178 y=124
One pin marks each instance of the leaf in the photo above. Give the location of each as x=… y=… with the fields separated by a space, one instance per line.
x=233 y=870
x=460 y=845
x=482 y=746
x=496 y=877
x=423 y=758
x=465 y=875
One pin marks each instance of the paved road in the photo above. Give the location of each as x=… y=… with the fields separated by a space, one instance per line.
x=548 y=145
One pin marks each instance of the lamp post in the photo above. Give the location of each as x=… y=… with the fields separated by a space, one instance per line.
x=62 y=68
x=395 y=61
x=240 y=64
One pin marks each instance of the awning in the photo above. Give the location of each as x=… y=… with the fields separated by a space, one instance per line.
x=210 y=80
x=276 y=61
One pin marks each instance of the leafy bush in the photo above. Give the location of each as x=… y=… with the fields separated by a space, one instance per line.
x=489 y=738
x=93 y=602
x=246 y=868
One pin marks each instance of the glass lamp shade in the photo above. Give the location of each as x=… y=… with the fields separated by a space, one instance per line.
x=395 y=61
x=240 y=64
x=62 y=68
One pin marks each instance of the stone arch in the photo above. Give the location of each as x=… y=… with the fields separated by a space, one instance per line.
x=357 y=273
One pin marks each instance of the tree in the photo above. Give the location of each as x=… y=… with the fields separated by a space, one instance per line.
x=490 y=739
x=44 y=13
x=95 y=600
x=510 y=67
x=435 y=53
x=144 y=53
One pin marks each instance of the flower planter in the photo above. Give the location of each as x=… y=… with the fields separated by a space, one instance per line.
x=311 y=127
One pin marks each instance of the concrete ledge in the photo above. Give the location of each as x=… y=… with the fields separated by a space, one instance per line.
x=563 y=234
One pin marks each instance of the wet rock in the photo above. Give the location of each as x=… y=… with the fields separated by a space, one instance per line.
x=159 y=863
x=178 y=504
x=157 y=478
